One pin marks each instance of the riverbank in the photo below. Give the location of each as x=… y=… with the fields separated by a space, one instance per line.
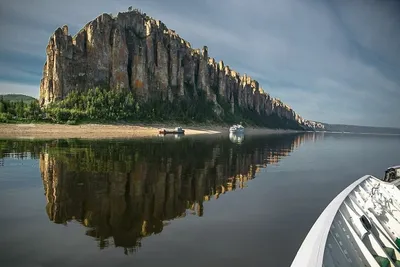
x=104 y=131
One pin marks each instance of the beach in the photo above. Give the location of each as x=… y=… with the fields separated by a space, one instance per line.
x=104 y=131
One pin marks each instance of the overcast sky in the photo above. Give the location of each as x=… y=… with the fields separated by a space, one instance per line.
x=336 y=61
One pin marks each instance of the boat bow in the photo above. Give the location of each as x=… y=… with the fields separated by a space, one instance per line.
x=360 y=227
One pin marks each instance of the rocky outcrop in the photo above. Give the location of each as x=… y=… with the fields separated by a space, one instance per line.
x=135 y=52
x=314 y=125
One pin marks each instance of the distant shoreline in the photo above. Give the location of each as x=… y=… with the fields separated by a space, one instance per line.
x=360 y=133
x=111 y=131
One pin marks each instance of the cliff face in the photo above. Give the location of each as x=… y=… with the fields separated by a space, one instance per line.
x=135 y=52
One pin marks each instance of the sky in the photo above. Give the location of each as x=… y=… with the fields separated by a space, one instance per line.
x=335 y=61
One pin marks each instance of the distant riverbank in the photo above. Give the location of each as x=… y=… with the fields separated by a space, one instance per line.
x=104 y=131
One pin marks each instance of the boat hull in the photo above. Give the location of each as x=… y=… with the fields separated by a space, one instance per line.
x=237 y=131
x=360 y=227
x=171 y=132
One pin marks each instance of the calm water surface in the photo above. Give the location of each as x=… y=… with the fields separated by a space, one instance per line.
x=174 y=202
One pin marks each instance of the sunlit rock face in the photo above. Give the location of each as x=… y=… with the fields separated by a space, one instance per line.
x=133 y=51
x=124 y=192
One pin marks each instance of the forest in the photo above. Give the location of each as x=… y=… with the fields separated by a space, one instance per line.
x=109 y=106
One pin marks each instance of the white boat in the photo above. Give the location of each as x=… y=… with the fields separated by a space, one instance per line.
x=360 y=227
x=236 y=129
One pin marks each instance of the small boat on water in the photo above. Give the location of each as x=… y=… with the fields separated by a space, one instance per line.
x=177 y=130
x=238 y=128
x=360 y=227
x=392 y=175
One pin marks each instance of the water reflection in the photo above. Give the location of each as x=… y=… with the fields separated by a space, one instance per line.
x=236 y=138
x=176 y=136
x=123 y=191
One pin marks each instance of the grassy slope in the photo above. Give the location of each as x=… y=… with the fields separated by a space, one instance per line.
x=17 y=97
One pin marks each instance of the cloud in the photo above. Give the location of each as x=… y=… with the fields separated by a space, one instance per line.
x=334 y=61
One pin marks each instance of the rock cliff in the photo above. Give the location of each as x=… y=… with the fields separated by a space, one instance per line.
x=132 y=51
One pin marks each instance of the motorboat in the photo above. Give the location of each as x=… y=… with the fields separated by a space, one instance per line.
x=392 y=174
x=360 y=226
x=237 y=128
x=177 y=130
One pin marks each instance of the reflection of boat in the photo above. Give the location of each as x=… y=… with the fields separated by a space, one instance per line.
x=236 y=129
x=178 y=136
x=177 y=130
x=236 y=138
x=360 y=227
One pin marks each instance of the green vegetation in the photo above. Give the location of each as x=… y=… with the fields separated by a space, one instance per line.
x=251 y=117
x=18 y=97
x=100 y=105
x=20 y=111
x=110 y=106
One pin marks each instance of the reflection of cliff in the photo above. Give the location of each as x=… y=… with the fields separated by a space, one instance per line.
x=20 y=149
x=274 y=156
x=126 y=191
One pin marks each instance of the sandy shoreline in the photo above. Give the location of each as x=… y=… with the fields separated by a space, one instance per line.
x=104 y=131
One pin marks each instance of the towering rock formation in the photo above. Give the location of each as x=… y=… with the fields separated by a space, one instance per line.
x=135 y=52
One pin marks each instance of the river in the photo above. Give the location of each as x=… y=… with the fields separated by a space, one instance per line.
x=189 y=201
